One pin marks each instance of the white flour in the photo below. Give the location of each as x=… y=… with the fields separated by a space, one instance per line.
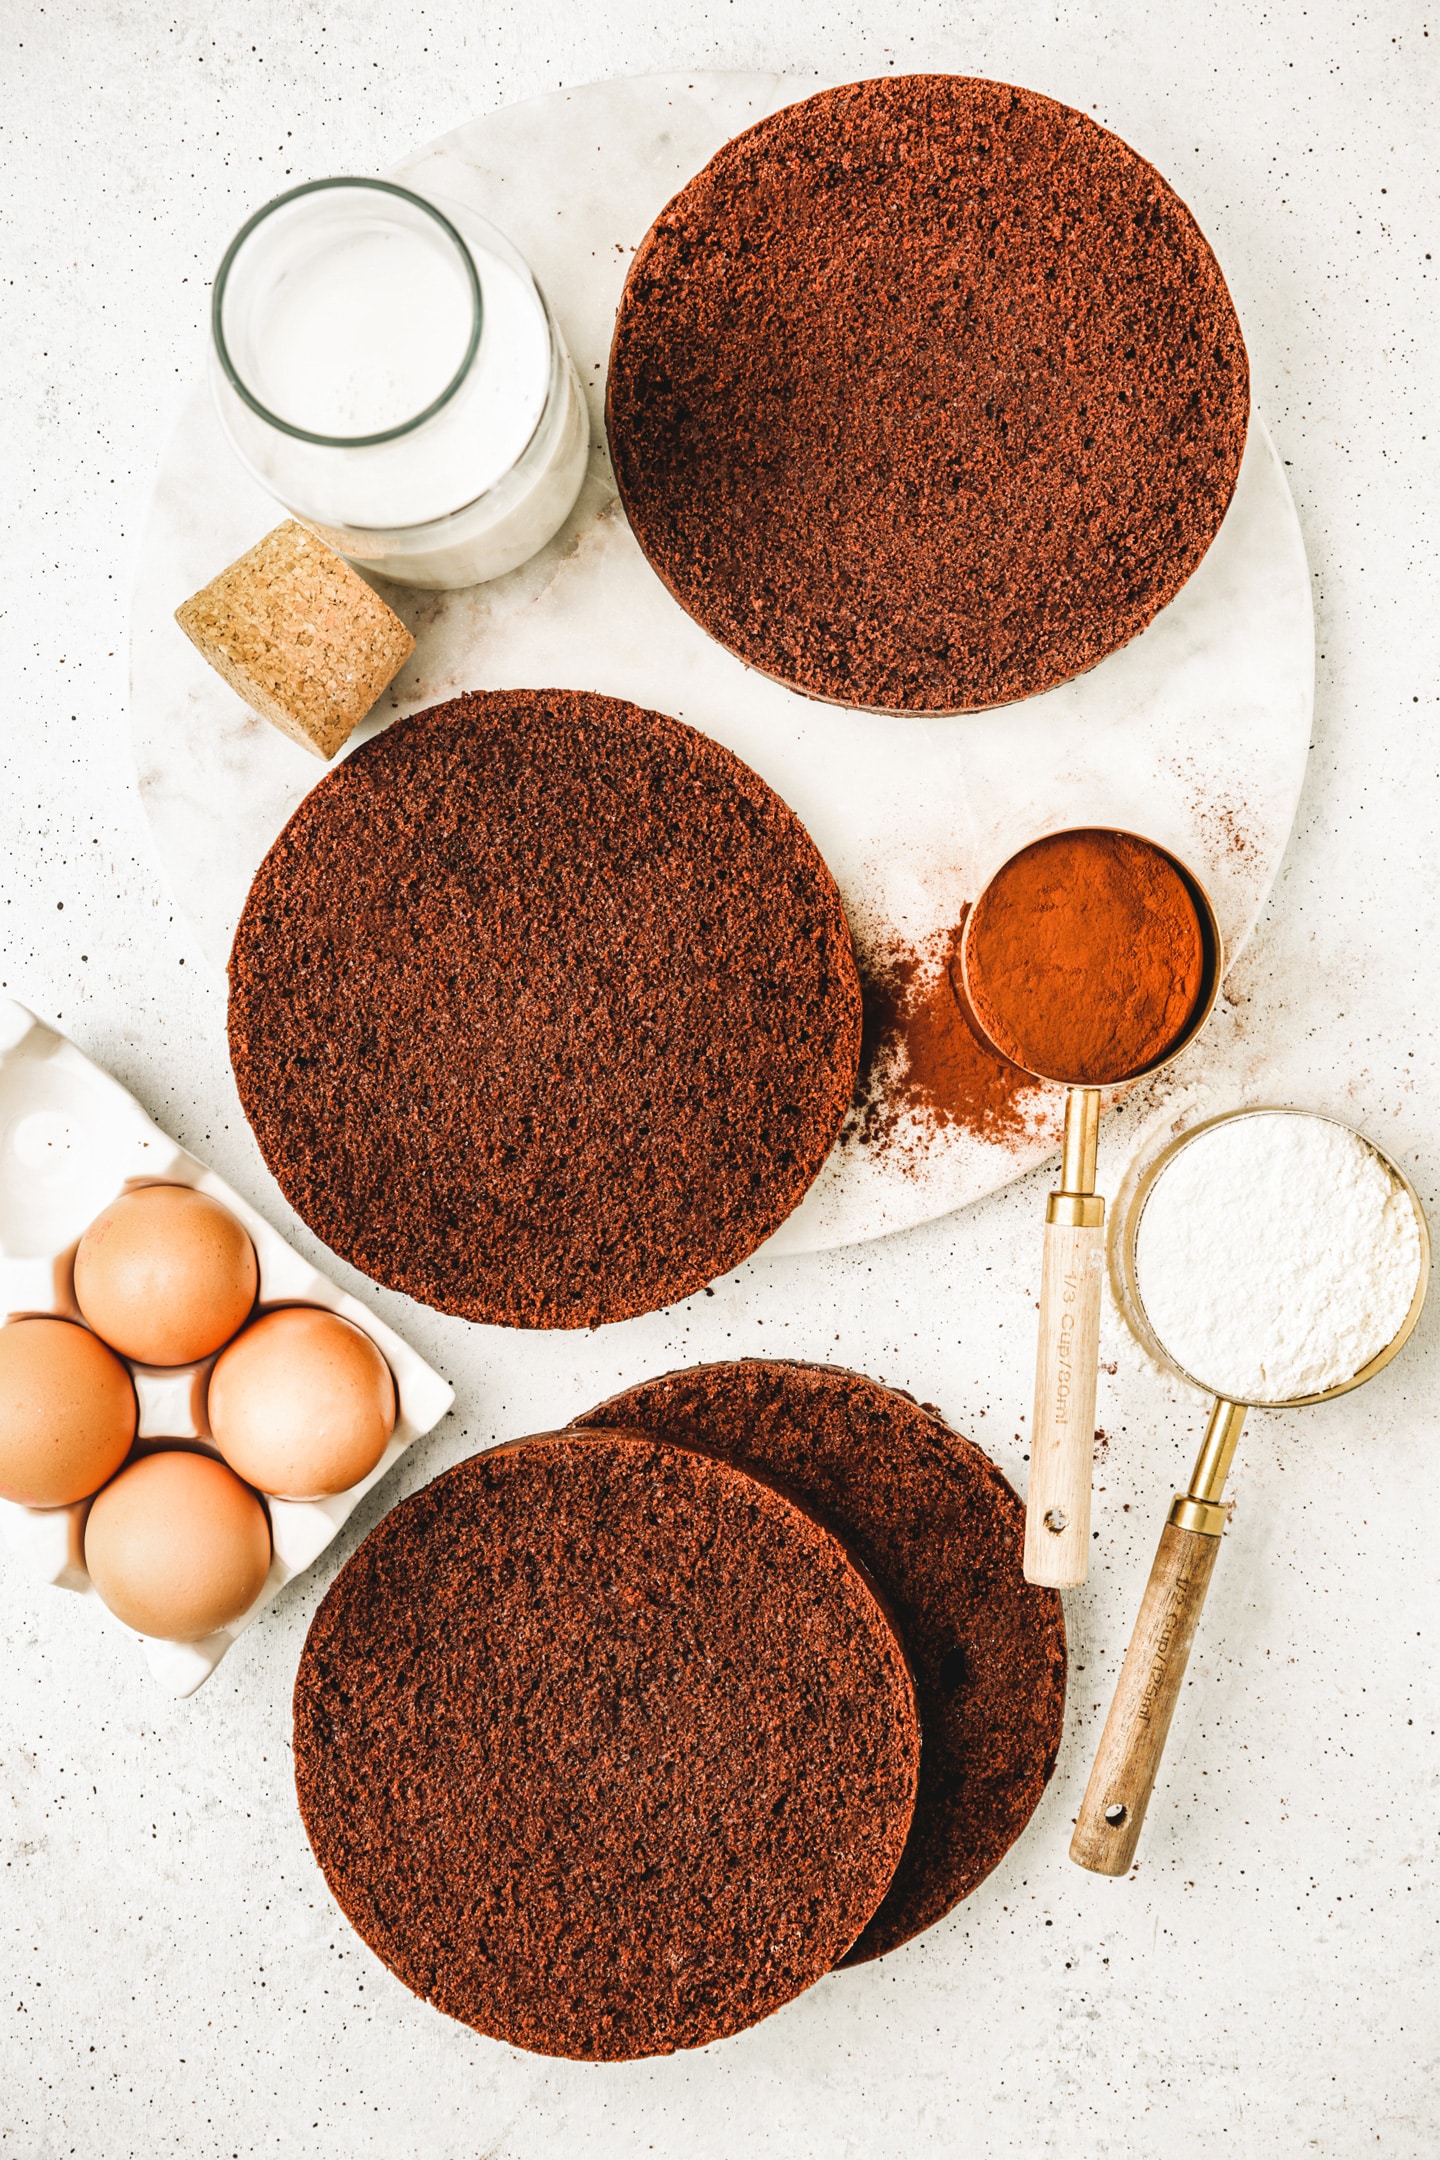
x=1276 y=1255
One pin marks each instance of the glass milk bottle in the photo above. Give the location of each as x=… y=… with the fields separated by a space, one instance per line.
x=387 y=367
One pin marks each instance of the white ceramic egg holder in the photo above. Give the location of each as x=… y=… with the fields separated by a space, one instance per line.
x=71 y=1139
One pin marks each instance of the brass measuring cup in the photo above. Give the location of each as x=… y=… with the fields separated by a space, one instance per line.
x=1122 y=1777
x=1057 y=1503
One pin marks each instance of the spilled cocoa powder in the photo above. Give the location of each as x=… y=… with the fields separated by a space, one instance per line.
x=923 y=1064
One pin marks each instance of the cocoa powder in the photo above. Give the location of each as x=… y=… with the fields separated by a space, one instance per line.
x=1085 y=957
x=924 y=1067
x=926 y=394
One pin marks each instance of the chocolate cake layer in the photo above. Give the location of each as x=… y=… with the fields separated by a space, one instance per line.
x=926 y=394
x=605 y=1747
x=941 y=1533
x=543 y=1009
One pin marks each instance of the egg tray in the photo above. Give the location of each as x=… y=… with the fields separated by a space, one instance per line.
x=71 y=1139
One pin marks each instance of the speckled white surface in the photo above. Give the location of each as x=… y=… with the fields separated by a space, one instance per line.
x=176 y=1979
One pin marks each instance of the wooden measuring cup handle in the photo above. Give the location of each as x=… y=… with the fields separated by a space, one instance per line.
x=1062 y=1439
x=1122 y=1777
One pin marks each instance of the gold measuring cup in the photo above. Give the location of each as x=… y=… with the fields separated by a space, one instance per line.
x=1122 y=1777
x=1062 y=1434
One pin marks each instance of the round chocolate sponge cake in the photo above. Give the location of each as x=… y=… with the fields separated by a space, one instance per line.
x=544 y=1009
x=941 y=1533
x=605 y=1747
x=926 y=394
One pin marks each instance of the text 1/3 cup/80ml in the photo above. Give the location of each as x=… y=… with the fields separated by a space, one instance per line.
x=1290 y=1256
x=388 y=368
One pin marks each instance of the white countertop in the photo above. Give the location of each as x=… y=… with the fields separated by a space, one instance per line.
x=177 y=1978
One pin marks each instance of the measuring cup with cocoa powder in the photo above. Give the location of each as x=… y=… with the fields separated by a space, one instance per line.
x=1091 y=958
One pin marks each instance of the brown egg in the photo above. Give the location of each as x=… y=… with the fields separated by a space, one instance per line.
x=67 y=1412
x=166 y=1275
x=302 y=1404
x=177 y=1546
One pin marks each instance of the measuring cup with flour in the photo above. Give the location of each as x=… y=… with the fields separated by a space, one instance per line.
x=1272 y=1258
x=1091 y=959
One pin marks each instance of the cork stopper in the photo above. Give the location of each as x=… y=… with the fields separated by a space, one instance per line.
x=303 y=640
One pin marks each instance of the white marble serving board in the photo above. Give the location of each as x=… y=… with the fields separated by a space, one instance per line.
x=1196 y=734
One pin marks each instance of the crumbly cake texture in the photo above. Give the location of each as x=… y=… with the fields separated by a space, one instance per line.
x=605 y=1747
x=926 y=394
x=941 y=1533
x=300 y=636
x=544 y=1009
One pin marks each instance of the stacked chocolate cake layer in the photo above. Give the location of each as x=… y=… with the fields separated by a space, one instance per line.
x=940 y=1532
x=611 y=1741
x=605 y=1747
